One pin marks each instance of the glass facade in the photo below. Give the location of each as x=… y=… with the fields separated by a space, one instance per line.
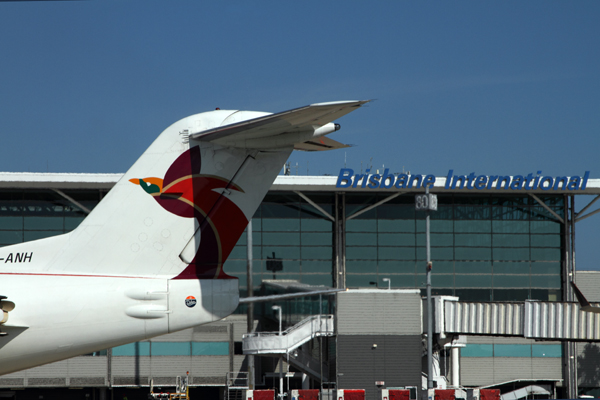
x=291 y=240
x=483 y=247
x=35 y=214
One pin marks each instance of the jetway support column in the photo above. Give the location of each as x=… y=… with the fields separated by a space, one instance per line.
x=455 y=353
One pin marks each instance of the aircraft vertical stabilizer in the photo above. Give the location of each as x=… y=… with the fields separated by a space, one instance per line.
x=148 y=259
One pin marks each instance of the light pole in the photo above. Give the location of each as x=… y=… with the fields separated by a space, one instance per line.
x=389 y=281
x=278 y=309
x=428 y=202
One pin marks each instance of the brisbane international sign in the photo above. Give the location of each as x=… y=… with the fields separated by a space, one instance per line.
x=347 y=179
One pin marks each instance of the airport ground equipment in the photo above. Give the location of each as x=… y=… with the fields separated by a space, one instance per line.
x=182 y=391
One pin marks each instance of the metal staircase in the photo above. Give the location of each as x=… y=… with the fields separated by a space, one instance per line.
x=307 y=363
x=237 y=384
x=290 y=339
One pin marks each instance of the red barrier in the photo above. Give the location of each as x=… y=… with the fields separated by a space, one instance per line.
x=263 y=395
x=445 y=394
x=354 y=394
x=399 y=394
x=308 y=394
x=489 y=394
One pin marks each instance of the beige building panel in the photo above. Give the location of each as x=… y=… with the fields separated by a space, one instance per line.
x=170 y=365
x=88 y=366
x=482 y=371
x=379 y=312
x=181 y=336
x=215 y=332
x=547 y=368
x=210 y=365
x=589 y=282
x=127 y=366
x=476 y=371
x=59 y=369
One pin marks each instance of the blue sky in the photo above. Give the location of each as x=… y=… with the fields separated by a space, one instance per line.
x=505 y=87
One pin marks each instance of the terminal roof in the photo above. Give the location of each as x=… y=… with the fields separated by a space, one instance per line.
x=41 y=180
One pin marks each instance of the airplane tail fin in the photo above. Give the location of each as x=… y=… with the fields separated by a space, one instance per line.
x=181 y=208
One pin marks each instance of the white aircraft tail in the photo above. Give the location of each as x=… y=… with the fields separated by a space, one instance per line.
x=181 y=208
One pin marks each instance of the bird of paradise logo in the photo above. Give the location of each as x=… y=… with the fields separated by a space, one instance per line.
x=187 y=193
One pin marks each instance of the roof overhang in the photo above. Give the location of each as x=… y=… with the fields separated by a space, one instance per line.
x=37 y=180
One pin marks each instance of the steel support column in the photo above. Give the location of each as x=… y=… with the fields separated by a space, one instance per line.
x=339 y=279
x=573 y=345
x=250 y=314
x=569 y=353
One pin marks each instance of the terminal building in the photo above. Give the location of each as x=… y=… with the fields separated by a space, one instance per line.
x=500 y=240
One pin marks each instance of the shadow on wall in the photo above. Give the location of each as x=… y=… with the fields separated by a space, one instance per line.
x=588 y=370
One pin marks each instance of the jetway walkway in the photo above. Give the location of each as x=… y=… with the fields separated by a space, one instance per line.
x=291 y=338
x=530 y=319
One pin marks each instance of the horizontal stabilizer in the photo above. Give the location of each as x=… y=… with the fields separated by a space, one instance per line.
x=285 y=128
x=320 y=144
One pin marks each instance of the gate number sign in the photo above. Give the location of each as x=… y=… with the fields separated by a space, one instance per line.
x=426 y=202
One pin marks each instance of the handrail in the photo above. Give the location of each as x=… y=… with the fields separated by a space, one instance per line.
x=292 y=328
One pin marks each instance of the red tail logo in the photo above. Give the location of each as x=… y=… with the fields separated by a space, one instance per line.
x=187 y=193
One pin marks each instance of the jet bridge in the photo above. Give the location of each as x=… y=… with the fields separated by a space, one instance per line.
x=540 y=320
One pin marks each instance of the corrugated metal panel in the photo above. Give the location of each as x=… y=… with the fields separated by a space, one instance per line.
x=546 y=368
x=207 y=366
x=589 y=282
x=484 y=318
x=88 y=366
x=239 y=329
x=171 y=365
x=80 y=371
x=56 y=369
x=217 y=332
x=239 y=363
x=181 y=336
x=483 y=371
x=379 y=312
x=476 y=371
x=127 y=366
x=560 y=321
x=472 y=339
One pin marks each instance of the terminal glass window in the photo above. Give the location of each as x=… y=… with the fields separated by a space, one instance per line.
x=483 y=247
x=36 y=214
x=291 y=240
